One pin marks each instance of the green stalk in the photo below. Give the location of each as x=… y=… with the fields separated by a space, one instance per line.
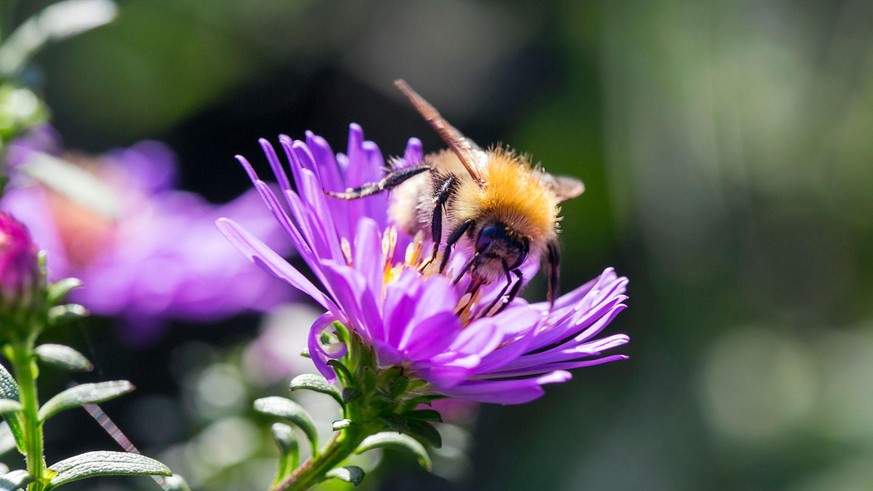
x=25 y=374
x=315 y=469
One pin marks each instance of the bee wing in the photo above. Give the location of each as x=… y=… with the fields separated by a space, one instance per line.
x=564 y=187
x=467 y=151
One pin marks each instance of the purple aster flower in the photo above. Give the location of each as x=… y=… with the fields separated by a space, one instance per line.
x=150 y=253
x=376 y=283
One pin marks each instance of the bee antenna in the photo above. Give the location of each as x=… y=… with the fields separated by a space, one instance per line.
x=456 y=141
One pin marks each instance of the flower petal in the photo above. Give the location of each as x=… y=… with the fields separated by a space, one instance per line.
x=507 y=391
x=269 y=260
x=316 y=351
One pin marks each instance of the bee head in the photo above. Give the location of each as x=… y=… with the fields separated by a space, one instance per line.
x=498 y=243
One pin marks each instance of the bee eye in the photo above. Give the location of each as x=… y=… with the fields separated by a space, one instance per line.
x=488 y=235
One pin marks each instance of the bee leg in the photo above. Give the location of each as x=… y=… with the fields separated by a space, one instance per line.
x=502 y=291
x=391 y=180
x=454 y=237
x=465 y=269
x=436 y=222
x=519 y=279
x=554 y=261
x=472 y=288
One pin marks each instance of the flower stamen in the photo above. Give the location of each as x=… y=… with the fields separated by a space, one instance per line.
x=347 y=251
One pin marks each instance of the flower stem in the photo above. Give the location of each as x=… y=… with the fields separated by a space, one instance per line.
x=315 y=469
x=25 y=374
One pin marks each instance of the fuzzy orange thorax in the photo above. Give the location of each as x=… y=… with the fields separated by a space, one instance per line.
x=514 y=194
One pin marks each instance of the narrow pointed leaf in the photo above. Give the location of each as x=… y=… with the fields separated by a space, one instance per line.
x=390 y=439
x=351 y=473
x=424 y=431
x=62 y=314
x=94 y=464
x=284 y=437
x=394 y=422
x=341 y=424
x=424 y=415
x=15 y=480
x=342 y=372
x=289 y=457
x=350 y=394
x=317 y=383
x=8 y=386
x=64 y=357
x=9 y=406
x=176 y=483
x=57 y=292
x=290 y=410
x=84 y=394
x=9 y=390
x=55 y=22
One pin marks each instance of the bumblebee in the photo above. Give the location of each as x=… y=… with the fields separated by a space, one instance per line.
x=495 y=199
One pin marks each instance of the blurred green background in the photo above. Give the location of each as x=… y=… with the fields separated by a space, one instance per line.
x=727 y=149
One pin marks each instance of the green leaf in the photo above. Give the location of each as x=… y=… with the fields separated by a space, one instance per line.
x=8 y=386
x=57 y=291
x=289 y=457
x=424 y=415
x=317 y=383
x=290 y=410
x=341 y=424
x=84 y=394
x=176 y=483
x=381 y=401
x=389 y=439
x=9 y=406
x=9 y=391
x=350 y=394
x=350 y=473
x=394 y=422
x=424 y=431
x=64 y=357
x=342 y=372
x=14 y=480
x=62 y=314
x=57 y=21
x=103 y=463
x=395 y=382
x=284 y=437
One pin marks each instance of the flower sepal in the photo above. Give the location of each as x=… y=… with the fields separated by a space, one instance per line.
x=58 y=291
x=385 y=398
x=381 y=406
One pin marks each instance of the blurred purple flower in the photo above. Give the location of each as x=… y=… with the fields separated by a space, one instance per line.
x=19 y=265
x=156 y=256
x=372 y=284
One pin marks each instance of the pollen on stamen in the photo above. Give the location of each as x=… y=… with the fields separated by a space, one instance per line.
x=463 y=302
x=413 y=250
x=466 y=305
x=474 y=301
x=389 y=243
x=347 y=250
